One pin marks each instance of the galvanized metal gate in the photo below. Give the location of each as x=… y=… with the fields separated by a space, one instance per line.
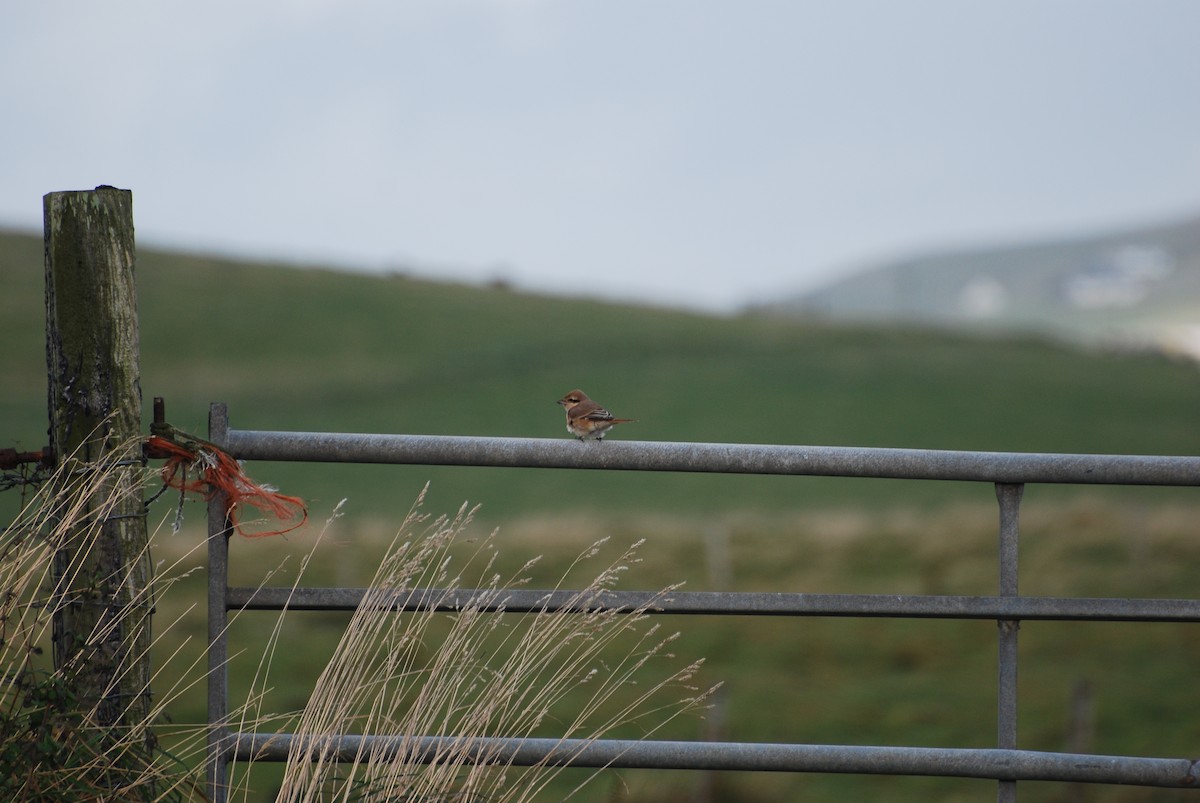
x=1008 y=472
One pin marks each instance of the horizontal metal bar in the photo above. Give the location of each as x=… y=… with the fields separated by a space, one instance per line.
x=737 y=603
x=728 y=458
x=1008 y=765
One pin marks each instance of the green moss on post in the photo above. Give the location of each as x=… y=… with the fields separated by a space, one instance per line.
x=102 y=621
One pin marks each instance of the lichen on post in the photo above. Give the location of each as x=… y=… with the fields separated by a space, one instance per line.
x=102 y=567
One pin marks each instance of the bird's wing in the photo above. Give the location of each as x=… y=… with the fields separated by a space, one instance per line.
x=591 y=411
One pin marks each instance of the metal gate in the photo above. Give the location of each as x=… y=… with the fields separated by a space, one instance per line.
x=1008 y=472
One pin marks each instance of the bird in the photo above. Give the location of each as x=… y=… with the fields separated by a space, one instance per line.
x=587 y=420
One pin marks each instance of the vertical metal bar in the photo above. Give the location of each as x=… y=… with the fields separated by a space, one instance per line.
x=1009 y=497
x=217 y=765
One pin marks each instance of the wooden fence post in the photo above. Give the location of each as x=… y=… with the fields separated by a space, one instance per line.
x=102 y=619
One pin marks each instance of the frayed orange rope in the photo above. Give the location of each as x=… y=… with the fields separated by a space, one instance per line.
x=217 y=472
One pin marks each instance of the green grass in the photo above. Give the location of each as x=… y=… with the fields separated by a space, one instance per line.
x=834 y=680
x=317 y=350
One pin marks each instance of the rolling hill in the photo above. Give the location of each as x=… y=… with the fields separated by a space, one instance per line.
x=1135 y=288
x=314 y=349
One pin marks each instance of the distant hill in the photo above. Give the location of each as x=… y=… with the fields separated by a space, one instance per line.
x=1138 y=288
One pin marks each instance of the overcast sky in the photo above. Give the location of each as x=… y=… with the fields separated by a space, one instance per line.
x=692 y=152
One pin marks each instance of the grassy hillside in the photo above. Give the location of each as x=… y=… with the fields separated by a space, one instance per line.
x=313 y=349
x=321 y=350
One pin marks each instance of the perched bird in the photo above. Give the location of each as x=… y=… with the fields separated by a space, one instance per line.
x=587 y=420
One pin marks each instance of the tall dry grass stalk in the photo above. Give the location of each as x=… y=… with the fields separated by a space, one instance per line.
x=393 y=674
x=56 y=744
x=475 y=673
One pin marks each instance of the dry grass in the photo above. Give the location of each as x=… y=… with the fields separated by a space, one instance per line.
x=847 y=681
x=55 y=745
x=392 y=675
x=475 y=673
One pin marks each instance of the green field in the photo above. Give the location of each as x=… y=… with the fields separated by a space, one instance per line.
x=831 y=680
x=318 y=350
x=310 y=349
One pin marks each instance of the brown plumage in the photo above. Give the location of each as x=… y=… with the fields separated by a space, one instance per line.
x=587 y=420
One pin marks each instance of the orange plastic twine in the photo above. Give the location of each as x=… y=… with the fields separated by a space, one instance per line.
x=217 y=472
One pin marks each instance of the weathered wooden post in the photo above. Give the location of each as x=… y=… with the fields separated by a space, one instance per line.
x=102 y=574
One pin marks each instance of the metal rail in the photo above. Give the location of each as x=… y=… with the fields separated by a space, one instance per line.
x=719 y=458
x=744 y=603
x=1008 y=765
x=1008 y=471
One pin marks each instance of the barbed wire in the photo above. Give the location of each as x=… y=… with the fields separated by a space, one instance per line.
x=27 y=475
x=25 y=469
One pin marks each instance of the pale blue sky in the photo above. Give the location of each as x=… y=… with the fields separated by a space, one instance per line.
x=691 y=152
